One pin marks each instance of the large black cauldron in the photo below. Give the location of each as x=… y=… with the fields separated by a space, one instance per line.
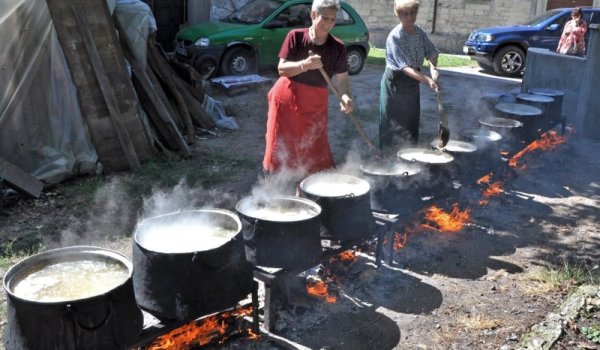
x=108 y=320
x=346 y=204
x=190 y=263
x=281 y=231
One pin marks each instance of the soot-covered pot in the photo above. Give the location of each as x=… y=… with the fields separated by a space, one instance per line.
x=190 y=263
x=394 y=185
x=73 y=298
x=345 y=201
x=281 y=231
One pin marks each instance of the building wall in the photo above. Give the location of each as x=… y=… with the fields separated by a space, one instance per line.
x=448 y=26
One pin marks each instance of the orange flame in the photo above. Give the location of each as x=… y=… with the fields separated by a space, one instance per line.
x=448 y=222
x=547 y=141
x=320 y=289
x=212 y=329
x=494 y=189
x=400 y=240
x=485 y=179
x=347 y=256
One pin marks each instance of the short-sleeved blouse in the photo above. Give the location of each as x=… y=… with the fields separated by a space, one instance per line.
x=404 y=49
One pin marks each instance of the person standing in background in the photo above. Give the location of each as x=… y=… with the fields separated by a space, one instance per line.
x=572 y=40
x=297 y=137
x=406 y=47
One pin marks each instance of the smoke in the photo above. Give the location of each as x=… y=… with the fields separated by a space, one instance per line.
x=111 y=214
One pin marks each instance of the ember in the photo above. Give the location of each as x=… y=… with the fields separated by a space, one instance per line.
x=548 y=141
x=485 y=179
x=439 y=220
x=321 y=290
x=400 y=240
x=213 y=329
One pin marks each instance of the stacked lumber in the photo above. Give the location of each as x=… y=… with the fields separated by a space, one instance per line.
x=97 y=52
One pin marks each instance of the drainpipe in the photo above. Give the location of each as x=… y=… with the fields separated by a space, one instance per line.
x=435 y=5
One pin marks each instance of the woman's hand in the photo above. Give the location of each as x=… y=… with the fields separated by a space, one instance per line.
x=312 y=62
x=432 y=84
x=346 y=106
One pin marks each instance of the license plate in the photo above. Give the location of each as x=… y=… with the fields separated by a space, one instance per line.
x=466 y=50
x=181 y=50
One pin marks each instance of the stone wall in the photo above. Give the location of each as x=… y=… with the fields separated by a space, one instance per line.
x=448 y=27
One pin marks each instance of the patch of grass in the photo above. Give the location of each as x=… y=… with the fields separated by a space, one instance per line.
x=560 y=278
x=163 y=172
x=377 y=56
x=10 y=256
x=592 y=332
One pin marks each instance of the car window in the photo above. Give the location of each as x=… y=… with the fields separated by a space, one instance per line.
x=253 y=12
x=295 y=16
x=540 y=18
x=592 y=17
x=343 y=18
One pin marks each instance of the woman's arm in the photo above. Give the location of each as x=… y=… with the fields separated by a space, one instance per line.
x=292 y=68
x=342 y=81
x=415 y=74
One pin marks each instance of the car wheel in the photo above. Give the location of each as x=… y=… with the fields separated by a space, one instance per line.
x=238 y=61
x=509 y=60
x=356 y=60
x=204 y=66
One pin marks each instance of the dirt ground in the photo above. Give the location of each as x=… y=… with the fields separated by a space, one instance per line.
x=479 y=288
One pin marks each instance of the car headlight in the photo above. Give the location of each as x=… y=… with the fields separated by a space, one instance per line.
x=486 y=37
x=202 y=42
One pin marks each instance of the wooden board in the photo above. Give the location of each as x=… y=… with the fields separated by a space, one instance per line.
x=19 y=179
x=91 y=99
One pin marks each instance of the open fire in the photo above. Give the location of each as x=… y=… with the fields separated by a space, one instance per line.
x=549 y=140
x=214 y=329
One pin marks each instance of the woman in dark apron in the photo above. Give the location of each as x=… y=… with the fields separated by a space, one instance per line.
x=400 y=107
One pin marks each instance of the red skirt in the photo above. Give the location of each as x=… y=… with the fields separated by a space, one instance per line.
x=297 y=137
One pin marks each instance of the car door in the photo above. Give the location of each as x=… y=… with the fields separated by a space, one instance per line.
x=276 y=28
x=549 y=36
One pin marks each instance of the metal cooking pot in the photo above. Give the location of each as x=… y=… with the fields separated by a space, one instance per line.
x=281 y=231
x=79 y=297
x=425 y=156
x=345 y=203
x=466 y=157
x=394 y=185
x=489 y=145
x=190 y=263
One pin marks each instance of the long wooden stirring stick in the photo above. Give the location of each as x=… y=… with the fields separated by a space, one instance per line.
x=355 y=121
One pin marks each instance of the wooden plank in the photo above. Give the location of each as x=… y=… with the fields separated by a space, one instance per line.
x=157 y=109
x=19 y=179
x=105 y=87
x=91 y=101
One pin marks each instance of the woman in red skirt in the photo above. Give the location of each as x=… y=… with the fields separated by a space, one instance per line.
x=296 y=138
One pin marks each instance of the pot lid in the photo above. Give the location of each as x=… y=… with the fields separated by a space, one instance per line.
x=188 y=231
x=500 y=122
x=518 y=109
x=455 y=146
x=334 y=185
x=480 y=135
x=278 y=208
x=535 y=98
x=390 y=168
x=425 y=156
x=546 y=92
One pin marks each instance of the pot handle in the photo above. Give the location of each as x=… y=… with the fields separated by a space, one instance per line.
x=405 y=173
x=77 y=323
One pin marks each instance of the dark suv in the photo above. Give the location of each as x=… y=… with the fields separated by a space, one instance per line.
x=503 y=49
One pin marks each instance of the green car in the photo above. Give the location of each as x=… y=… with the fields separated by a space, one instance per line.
x=250 y=38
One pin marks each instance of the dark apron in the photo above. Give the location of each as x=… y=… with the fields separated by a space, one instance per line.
x=399 y=110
